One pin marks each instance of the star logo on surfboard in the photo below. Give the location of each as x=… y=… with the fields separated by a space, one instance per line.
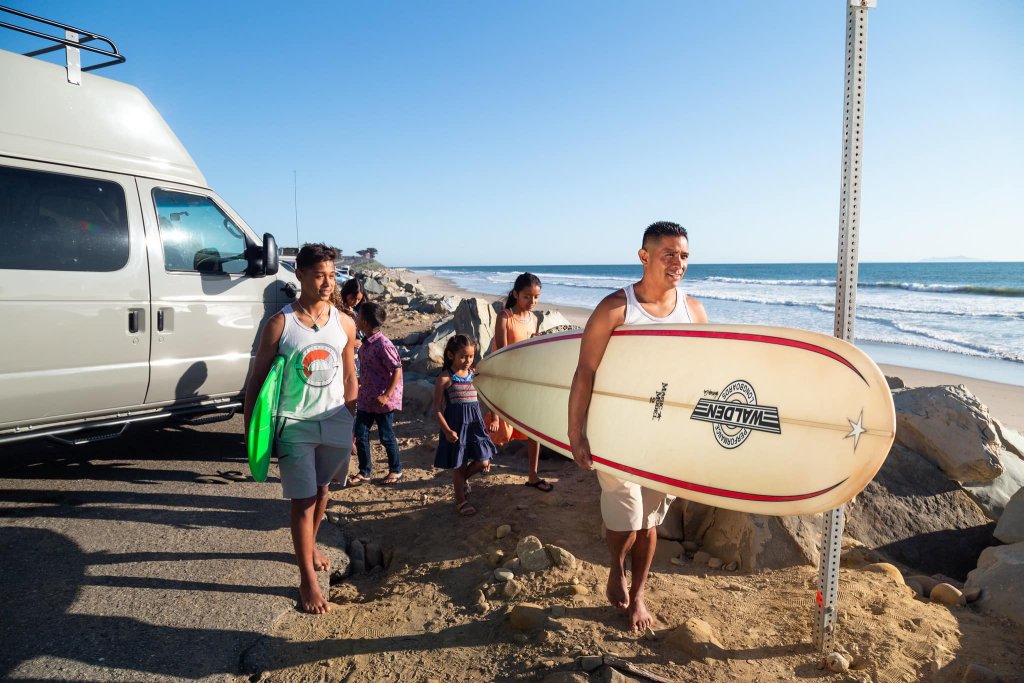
x=856 y=429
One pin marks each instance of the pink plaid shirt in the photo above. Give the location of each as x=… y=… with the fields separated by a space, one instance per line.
x=378 y=360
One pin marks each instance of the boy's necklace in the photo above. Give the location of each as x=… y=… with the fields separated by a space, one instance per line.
x=316 y=321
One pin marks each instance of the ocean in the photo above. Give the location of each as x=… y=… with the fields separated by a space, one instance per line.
x=962 y=318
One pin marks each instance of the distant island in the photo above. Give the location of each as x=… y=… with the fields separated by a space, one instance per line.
x=952 y=259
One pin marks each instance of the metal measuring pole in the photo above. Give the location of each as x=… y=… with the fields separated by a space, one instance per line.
x=846 y=289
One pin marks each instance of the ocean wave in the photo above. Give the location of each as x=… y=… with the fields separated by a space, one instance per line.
x=759 y=281
x=1013 y=292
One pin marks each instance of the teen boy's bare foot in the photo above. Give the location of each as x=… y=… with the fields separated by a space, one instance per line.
x=639 y=617
x=616 y=589
x=320 y=561
x=312 y=600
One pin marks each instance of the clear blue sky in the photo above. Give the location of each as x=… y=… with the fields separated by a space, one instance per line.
x=554 y=132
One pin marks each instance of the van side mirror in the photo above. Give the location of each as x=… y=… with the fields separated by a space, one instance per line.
x=270 y=264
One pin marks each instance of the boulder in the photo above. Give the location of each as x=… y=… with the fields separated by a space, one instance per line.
x=1010 y=528
x=999 y=575
x=913 y=514
x=945 y=594
x=428 y=357
x=672 y=527
x=895 y=382
x=418 y=398
x=477 y=317
x=527 y=617
x=547 y=320
x=401 y=300
x=449 y=303
x=372 y=286
x=754 y=541
x=1011 y=440
x=992 y=496
x=413 y=338
x=560 y=557
x=531 y=554
x=951 y=428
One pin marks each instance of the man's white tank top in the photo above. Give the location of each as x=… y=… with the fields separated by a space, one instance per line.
x=636 y=315
x=313 y=382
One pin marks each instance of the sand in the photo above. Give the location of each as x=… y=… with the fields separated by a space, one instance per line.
x=436 y=613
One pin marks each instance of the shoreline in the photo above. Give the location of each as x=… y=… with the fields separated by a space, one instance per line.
x=1005 y=401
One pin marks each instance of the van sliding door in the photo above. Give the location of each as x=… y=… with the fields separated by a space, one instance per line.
x=206 y=310
x=74 y=294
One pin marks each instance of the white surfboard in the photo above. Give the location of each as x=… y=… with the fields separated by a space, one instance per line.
x=768 y=420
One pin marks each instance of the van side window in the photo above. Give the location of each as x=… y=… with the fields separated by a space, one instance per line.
x=50 y=221
x=196 y=235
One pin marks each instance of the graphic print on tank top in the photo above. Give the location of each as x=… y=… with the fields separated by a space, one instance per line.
x=317 y=364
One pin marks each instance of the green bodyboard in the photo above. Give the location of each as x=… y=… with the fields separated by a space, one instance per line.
x=263 y=421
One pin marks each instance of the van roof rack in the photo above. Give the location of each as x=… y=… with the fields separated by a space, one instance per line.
x=74 y=39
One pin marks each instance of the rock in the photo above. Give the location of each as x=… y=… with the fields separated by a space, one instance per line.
x=503 y=531
x=514 y=564
x=701 y=557
x=649 y=634
x=401 y=300
x=551 y=319
x=527 y=616
x=580 y=589
x=927 y=583
x=520 y=638
x=732 y=566
x=511 y=589
x=372 y=286
x=972 y=594
x=481 y=599
x=417 y=398
x=859 y=557
x=449 y=303
x=374 y=555
x=993 y=496
x=531 y=554
x=689 y=546
x=945 y=594
x=889 y=570
x=476 y=318
x=496 y=557
x=894 y=382
x=950 y=427
x=590 y=662
x=837 y=663
x=917 y=517
x=976 y=673
x=561 y=557
x=610 y=675
x=565 y=677
x=715 y=563
x=503 y=574
x=1012 y=440
x=999 y=576
x=1010 y=528
x=915 y=586
x=696 y=638
x=413 y=338
x=357 y=554
x=672 y=527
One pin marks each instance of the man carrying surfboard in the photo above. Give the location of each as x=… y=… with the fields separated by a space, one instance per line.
x=632 y=512
x=316 y=406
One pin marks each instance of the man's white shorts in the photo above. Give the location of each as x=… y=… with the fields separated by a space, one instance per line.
x=313 y=452
x=626 y=506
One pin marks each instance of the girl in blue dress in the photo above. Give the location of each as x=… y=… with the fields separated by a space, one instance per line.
x=463 y=444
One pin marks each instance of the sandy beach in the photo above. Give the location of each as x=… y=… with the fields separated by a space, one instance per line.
x=1005 y=401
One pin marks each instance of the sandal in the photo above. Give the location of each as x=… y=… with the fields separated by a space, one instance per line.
x=357 y=479
x=540 y=485
x=392 y=478
x=465 y=508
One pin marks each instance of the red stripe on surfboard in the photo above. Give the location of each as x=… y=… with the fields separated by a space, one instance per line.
x=678 y=483
x=702 y=334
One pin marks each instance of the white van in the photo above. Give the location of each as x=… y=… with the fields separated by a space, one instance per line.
x=129 y=290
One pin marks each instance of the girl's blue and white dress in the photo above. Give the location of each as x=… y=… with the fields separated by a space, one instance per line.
x=462 y=413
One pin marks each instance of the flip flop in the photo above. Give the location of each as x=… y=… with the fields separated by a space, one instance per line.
x=392 y=478
x=465 y=509
x=357 y=479
x=540 y=485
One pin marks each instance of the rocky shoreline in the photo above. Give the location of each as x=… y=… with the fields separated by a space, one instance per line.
x=932 y=563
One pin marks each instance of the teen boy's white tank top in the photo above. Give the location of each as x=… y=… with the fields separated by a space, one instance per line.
x=636 y=315
x=313 y=383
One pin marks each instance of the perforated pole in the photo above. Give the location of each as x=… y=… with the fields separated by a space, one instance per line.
x=846 y=289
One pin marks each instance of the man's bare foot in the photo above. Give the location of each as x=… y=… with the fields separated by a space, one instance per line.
x=320 y=561
x=312 y=599
x=616 y=589
x=639 y=617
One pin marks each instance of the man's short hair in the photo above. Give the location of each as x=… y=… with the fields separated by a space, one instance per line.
x=662 y=229
x=373 y=314
x=313 y=253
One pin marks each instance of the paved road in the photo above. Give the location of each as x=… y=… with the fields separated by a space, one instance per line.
x=117 y=565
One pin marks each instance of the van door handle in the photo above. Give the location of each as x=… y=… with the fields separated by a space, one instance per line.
x=134 y=320
x=164 y=319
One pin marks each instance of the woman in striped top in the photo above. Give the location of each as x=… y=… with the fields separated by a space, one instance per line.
x=463 y=444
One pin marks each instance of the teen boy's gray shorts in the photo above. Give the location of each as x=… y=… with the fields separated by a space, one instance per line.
x=313 y=452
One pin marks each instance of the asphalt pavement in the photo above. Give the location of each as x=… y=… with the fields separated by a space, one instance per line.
x=118 y=565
